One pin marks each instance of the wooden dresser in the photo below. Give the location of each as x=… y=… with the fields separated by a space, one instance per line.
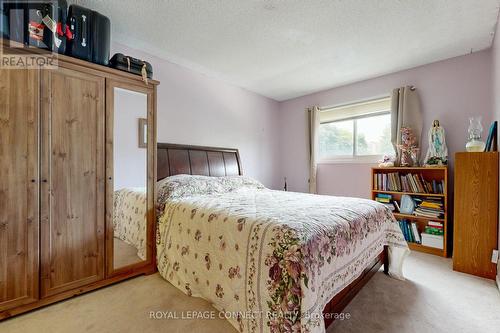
x=475 y=213
x=56 y=182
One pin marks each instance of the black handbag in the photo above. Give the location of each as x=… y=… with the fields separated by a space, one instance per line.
x=132 y=65
x=90 y=35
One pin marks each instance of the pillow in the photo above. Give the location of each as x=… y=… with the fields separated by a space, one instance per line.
x=232 y=183
x=184 y=185
x=179 y=186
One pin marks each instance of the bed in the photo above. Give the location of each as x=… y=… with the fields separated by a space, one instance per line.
x=270 y=261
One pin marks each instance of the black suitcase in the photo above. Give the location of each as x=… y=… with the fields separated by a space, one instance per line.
x=4 y=22
x=132 y=65
x=90 y=35
x=36 y=23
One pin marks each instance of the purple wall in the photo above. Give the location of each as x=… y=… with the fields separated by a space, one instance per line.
x=495 y=51
x=450 y=90
x=195 y=109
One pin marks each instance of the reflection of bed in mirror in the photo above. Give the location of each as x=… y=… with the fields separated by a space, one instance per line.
x=129 y=223
x=130 y=178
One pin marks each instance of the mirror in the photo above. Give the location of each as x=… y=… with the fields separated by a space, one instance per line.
x=130 y=136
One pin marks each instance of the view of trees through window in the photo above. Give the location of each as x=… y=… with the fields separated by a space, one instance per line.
x=356 y=137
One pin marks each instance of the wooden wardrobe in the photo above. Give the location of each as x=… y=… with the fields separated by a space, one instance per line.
x=476 y=213
x=56 y=146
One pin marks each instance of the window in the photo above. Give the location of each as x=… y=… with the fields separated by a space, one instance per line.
x=360 y=131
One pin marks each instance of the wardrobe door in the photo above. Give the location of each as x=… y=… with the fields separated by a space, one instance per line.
x=19 y=110
x=130 y=161
x=73 y=170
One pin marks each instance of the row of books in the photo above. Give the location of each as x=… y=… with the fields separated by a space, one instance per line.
x=430 y=237
x=386 y=200
x=410 y=231
x=434 y=228
x=412 y=183
x=429 y=207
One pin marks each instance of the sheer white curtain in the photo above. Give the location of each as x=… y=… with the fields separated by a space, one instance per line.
x=313 y=116
x=405 y=112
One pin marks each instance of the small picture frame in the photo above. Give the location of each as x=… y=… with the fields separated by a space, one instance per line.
x=143 y=133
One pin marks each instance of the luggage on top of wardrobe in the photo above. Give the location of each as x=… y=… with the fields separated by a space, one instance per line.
x=132 y=65
x=36 y=23
x=4 y=21
x=90 y=35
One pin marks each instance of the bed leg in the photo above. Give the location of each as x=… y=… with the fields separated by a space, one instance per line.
x=386 y=259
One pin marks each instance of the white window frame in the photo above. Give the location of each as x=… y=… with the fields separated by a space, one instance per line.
x=355 y=159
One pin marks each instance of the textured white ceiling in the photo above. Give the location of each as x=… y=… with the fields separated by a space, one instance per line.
x=284 y=49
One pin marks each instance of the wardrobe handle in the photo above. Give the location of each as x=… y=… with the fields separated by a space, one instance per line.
x=33 y=180
x=44 y=180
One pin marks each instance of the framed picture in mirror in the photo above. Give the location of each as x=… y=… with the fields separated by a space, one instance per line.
x=143 y=133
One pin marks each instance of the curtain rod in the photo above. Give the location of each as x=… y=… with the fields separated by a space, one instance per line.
x=324 y=108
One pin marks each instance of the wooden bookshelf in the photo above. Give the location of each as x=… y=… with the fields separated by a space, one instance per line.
x=429 y=174
x=426 y=249
x=412 y=193
x=406 y=216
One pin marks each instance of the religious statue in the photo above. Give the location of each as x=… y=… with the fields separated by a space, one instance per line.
x=437 y=153
x=408 y=149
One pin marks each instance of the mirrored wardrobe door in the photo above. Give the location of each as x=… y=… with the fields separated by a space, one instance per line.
x=128 y=161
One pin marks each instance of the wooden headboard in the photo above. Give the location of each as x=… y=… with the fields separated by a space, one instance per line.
x=174 y=159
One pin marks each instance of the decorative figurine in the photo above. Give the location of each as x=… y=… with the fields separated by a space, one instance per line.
x=386 y=162
x=437 y=153
x=408 y=149
x=475 y=130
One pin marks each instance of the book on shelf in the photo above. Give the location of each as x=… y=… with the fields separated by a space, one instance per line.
x=386 y=200
x=434 y=228
x=415 y=232
x=402 y=225
x=429 y=207
x=435 y=241
x=411 y=183
x=410 y=231
x=435 y=224
x=491 y=142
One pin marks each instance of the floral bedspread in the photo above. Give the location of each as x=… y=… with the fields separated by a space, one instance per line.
x=129 y=220
x=269 y=260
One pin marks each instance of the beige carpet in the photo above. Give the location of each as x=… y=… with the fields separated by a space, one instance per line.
x=433 y=299
x=124 y=254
